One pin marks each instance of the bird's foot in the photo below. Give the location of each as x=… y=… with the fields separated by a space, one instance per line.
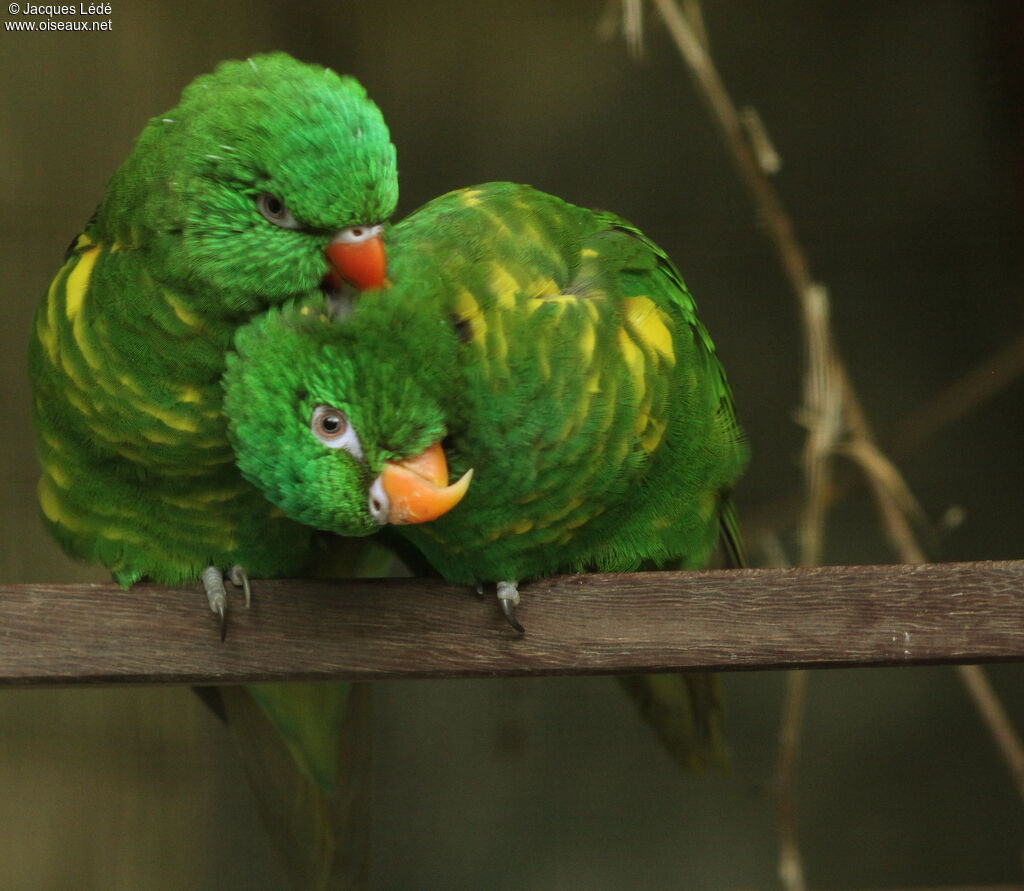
x=217 y=595
x=240 y=579
x=508 y=597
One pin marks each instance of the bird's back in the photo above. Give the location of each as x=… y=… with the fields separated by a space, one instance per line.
x=588 y=397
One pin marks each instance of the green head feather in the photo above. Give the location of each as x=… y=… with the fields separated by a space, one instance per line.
x=290 y=370
x=189 y=193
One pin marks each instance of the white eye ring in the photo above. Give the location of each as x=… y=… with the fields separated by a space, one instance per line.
x=275 y=211
x=333 y=430
x=357 y=234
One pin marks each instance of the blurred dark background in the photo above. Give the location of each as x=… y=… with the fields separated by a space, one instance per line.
x=902 y=137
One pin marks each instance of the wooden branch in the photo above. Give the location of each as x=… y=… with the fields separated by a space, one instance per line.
x=368 y=629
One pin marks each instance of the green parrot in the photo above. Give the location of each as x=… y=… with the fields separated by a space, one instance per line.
x=230 y=203
x=266 y=184
x=552 y=361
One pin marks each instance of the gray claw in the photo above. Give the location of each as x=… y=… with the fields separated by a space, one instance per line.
x=508 y=597
x=216 y=596
x=239 y=578
x=480 y=590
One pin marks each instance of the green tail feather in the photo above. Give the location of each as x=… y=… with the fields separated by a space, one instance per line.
x=310 y=770
x=684 y=710
x=307 y=751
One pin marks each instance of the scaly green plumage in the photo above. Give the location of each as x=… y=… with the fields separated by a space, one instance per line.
x=556 y=352
x=553 y=350
x=129 y=343
x=223 y=208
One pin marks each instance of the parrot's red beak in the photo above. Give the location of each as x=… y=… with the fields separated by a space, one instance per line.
x=357 y=256
x=416 y=490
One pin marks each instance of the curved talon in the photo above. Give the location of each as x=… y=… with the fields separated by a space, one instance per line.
x=508 y=597
x=509 y=609
x=216 y=596
x=480 y=590
x=239 y=578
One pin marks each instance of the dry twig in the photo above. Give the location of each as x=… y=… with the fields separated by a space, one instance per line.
x=831 y=412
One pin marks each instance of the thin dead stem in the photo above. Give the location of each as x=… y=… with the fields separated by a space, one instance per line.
x=831 y=412
x=966 y=393
x=985 y=699
x=790 y=866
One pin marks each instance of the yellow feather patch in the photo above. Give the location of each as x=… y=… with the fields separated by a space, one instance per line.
x=46 y=337
x=46 y=330
x=190 y=394
x=504 y=286
x=588 y=340
x=50 y=503
x=170 y=418
x=642 y=415
x=161 y=438
x=634 y=359
x=516 y=528
x=566 y=509
x=58 y=476
x=128 y=382
x=543 y=362
x=201 y=501
x=543 y=244
x=83 y=407
x=588 y=253
x=655 y=431
x=470 y=197
x=78 y=282
x=468 y=310
x=579 y=521
x=110 y=533
x=183 y=312
x=540 y=288
x=649 y=324
x=54 y=445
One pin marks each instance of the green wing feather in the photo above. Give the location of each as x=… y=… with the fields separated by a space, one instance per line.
x=127 y=352
x=557 y=353
x=137 y=472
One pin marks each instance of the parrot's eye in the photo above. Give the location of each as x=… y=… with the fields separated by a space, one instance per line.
x=332 y=428
x=356 y=234
x=328 y=423
x=273 y=209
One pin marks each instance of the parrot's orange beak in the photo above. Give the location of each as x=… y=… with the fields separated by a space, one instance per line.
x=357 y=259
x=417 y=488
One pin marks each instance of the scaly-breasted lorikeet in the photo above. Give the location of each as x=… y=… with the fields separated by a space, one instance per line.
x=551 y=359
x=267 y=176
